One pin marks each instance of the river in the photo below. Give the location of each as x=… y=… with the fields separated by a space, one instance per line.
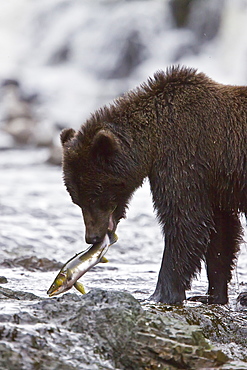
x=39 y=220
x=41 y=229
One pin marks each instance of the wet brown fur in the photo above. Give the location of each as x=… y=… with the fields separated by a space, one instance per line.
x=188 y=135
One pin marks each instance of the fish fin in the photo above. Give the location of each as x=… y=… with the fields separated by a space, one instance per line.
x=80 y=287
x=113 y=238
x=104 y=260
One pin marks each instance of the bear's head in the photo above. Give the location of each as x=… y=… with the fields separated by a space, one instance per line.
x=98 y=176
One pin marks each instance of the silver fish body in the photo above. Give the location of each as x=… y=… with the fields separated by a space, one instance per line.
x=79 y=265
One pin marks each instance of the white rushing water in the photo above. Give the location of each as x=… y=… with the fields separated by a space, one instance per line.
x=38 y=219
x=77 y=55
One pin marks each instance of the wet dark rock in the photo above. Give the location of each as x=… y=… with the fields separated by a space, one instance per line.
x=9 y=358
x=242 y=298
x=55 y=155
x=3 y=280
x=200 y=17
x=20 y=122
x=180 y=11
x=6 y=293
x=132 y=53
x=60 y=55
x=205 y=19
x=224 y=328
x=102 y=330
x=218 y=324
x=18 y=119
x=32 y=263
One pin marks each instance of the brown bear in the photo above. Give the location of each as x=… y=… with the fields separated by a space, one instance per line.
x=188 y=135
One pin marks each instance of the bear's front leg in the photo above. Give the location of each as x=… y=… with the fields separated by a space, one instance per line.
x=186 y=242
x=170 y=288
x=185 y=212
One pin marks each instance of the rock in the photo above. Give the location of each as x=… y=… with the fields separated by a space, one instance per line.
x=6 y=293
x=6 y=141
x=3 y=280
x=218 y=324
x=101 y=330
x=20 y=129
x=205 y=19
x=55 y=155
x=32 y=263
x=61 y=55
x=132 y=52
x=202 y=19
x=242 y=298
x=180 y=11
x=18 y=118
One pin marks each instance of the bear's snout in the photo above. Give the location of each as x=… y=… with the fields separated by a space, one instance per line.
x=95 y=233
x=92 y=238
x=96 y=224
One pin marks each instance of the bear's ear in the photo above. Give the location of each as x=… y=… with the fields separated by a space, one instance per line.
x=66 y=135
x=105 y=144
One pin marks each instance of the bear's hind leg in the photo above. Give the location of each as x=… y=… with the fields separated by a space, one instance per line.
x=221 y=254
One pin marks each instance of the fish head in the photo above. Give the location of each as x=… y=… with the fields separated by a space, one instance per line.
x=60 y=284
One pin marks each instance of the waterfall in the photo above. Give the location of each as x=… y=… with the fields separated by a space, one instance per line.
x=75 y=55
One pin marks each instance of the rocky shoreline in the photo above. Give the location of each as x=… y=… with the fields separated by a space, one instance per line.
x=112 y=330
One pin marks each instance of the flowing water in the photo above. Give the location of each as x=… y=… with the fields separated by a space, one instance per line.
x=39 y=220
x=40 y=228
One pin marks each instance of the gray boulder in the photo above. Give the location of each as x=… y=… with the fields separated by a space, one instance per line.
x=101 y=330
